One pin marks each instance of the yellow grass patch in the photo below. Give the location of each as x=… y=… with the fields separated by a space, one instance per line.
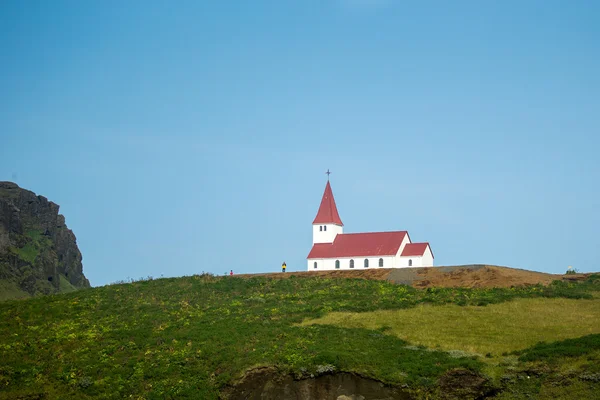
x=495 y=328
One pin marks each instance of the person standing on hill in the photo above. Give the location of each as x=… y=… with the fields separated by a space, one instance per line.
x=231 y=273
x=283 y=266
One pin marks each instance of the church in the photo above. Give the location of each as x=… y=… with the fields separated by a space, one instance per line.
x=333 y=249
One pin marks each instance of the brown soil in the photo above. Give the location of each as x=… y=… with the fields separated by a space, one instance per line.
x=462 y=384
x=485 y=276
x=266 y=384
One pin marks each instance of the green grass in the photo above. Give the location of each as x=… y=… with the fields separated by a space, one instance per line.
x=495 y=329
x=189 y=337
x=27 y=253
x=572 y=378
x=36 y=242
x=565 y=348
x=10 y=290
x=65 y=285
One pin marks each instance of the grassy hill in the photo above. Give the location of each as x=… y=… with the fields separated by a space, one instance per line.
x=197 y=337
x=473 y=276
x=10 y=290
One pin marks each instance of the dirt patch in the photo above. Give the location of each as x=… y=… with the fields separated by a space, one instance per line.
x=265 y=384
x=475 y=276
x=461 y=384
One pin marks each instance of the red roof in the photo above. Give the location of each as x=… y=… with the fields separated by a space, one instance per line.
x=328 y=213
x=360 y=245
x=415 y=249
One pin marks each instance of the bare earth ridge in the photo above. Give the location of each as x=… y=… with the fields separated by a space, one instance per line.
x=475 y=276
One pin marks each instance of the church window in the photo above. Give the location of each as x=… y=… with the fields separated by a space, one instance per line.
x=325 y=227
x=410 y=263
x=321 y=228
x=381 y=262
x=337 y=264
x=351 y=263
x=366 y=263
x=315 y=265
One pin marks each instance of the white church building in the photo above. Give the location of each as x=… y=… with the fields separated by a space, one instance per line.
x=334 y=249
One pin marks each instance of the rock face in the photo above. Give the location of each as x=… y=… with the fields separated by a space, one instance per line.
x=264 y=384
x=38 y=253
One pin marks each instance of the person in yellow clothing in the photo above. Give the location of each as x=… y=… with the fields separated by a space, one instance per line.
x=283 y=266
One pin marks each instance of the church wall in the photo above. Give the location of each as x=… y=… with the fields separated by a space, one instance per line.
x=397 y=259
x=328 y=235
x=388 y=262
x=405 y=241
x=417 y=261
x=328 y=264
x=428 y=258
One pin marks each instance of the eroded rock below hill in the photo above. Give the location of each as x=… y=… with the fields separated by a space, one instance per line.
x=462 y=384
x=266 y=384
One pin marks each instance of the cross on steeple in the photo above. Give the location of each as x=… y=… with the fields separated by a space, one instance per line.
x=328 y=173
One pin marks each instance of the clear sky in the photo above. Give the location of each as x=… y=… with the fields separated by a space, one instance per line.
x=190 y=136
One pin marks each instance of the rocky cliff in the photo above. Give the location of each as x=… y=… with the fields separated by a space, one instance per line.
x=38 y=253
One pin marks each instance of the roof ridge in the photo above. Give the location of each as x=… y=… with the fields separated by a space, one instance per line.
x=363 y=233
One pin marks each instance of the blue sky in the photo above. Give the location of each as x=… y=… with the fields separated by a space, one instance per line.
x=194 y=136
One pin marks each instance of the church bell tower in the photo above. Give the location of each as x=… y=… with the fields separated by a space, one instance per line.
x=327 y=224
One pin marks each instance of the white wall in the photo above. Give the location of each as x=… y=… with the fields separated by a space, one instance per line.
x=417 y=261
x=397 y=261
x=328 y=264
x=328 y=234
x=427 y=258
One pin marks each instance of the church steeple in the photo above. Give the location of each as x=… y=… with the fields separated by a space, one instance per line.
x=327 y=224
x=328 y=213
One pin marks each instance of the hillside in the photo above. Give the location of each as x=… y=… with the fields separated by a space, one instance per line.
x=473 y=276
x=38 y=252
x=206 y=337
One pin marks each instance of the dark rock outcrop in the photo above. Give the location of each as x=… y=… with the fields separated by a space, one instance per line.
x=38 y=253
x=266 y=384
x=462 y=384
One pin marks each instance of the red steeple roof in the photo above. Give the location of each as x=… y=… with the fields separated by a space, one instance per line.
x=328 y=213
